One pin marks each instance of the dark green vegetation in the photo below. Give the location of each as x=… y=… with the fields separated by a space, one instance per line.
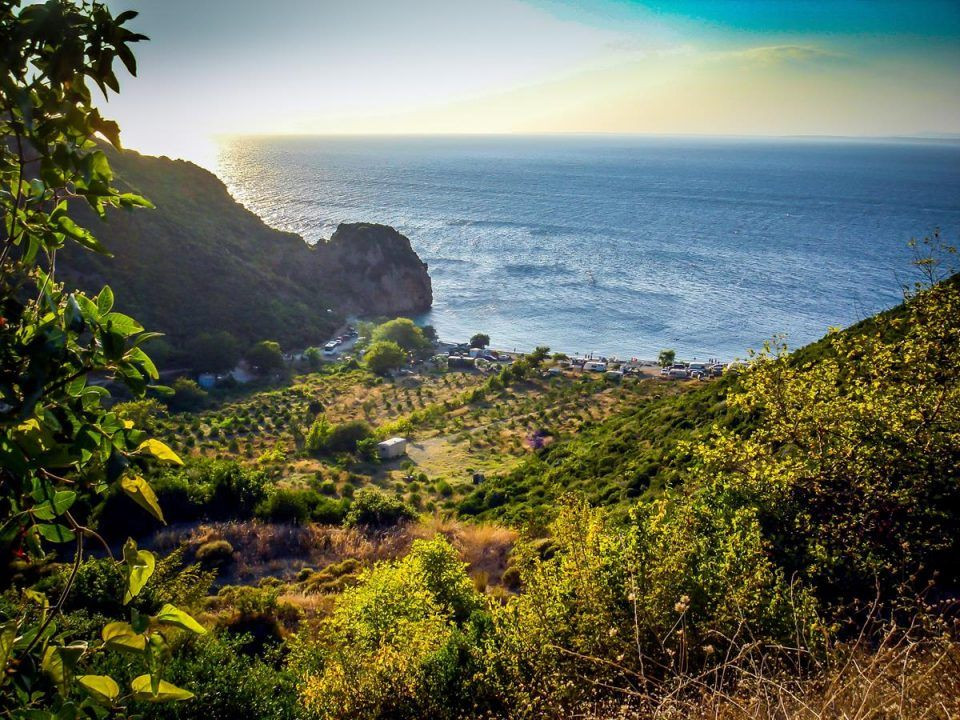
x=60 y=447
x=201 y=264
x=638 y=451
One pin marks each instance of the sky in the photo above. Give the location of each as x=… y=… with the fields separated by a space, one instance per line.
x=715 y=67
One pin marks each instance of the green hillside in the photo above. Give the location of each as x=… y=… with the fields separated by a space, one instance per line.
x=200 y=263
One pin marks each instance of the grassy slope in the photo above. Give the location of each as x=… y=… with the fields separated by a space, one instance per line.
x=638 y=450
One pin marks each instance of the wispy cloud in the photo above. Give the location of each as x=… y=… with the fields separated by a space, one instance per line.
x=784 y=54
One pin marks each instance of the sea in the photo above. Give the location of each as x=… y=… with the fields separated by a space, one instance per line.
x=624 y=245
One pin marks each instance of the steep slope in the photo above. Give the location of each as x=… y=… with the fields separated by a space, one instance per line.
x=201 y=262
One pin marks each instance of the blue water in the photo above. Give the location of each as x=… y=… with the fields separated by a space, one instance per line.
x=624 y=245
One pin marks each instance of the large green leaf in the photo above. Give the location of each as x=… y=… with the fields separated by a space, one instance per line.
x=142 y=494
x=123 y=324
x=160 y=451
x=140 y=565
x=166 y=692
x=56 y=533
x=102 y=688
x=171 y=615
x=121 y=636
x=60 y=503
x=105 y=300
x=60 y=660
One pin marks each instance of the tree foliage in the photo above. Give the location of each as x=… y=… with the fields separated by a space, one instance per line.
x=393 y=647
x=383 y=356
x=60 y=447
x=266 y=356
x=402 y=331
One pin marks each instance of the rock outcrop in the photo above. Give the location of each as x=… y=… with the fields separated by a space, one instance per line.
x=379 y=270
x=201 y=262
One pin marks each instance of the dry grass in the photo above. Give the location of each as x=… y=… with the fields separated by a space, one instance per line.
x=484 y=547
x=908 y=680
x=889 y=672
x=266 y=550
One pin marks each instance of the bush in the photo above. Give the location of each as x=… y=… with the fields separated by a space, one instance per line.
x=227 y=682
x=325 y=438
x=266 y=356
x=402 y=331
x=285 y=505
x=187 y=395
x=372 y=509
x=382 y=357
x=215 y=553
x=313 y=357
x=345 y=436
x=399 y=643
x=328 y=511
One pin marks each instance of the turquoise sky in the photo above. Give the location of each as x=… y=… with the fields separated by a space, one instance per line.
x=725 y=67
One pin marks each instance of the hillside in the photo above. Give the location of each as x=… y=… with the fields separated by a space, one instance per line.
x=201 y=262
x=639 y=450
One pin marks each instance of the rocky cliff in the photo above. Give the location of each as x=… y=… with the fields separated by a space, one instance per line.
x=200 y=262
x=377 y=271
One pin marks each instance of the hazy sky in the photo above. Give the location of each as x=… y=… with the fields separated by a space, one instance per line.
x=848 y=67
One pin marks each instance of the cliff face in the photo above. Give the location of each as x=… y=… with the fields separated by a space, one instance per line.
x=201 y=262
x=379 y=270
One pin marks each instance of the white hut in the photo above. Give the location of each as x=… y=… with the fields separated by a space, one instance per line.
x=393 y=448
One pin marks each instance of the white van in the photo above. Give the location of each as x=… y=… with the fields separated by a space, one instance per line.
x=595 y=366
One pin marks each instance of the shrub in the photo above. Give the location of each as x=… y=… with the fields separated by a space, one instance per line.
x=396 y=645
x=215 y=553
x=187 y=395
x=313 y=356
x=227 y=682
x=286 y=505
x=384 y=356
x=372 y=509
x=345 y=436
x=266 y=356
x=328 y=511
x=403 y=332
x=328 y=487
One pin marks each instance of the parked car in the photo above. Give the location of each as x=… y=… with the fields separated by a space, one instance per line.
x=678 y=373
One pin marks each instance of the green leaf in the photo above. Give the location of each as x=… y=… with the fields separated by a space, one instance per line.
x=133 y=200
x=8 y=635
x=166 y=692
x=60 y=660
x=170 y=615
x=160 y=451
x=142 y=494
x=137 y=355
x=140 y=566
x=102 y=688
x=56 y=533
x=105 y=300
x=123 y=324
x=49 y=509
x=84 y=237
x=121 y=636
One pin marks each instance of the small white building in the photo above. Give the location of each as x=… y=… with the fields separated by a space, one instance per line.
x=393 y=448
